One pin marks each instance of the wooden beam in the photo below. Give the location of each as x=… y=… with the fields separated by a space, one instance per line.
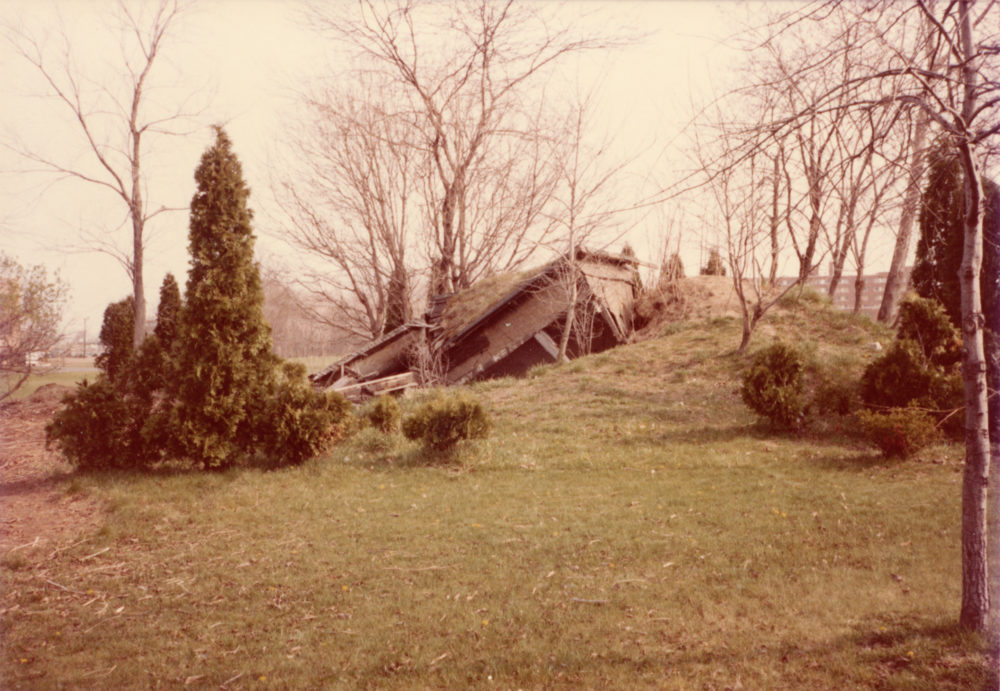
x=376 y=387
x=548 y=344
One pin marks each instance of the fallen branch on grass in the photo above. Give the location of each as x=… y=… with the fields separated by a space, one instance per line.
x=98 y=552
x=62 y=587
x=415 y=568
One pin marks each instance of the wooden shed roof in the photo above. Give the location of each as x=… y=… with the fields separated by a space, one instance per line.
x=461 y=316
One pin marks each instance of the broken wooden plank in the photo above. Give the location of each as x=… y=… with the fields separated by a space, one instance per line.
x=551 y=347
x=376 y=387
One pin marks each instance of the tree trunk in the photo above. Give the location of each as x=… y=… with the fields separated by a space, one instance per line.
x=570 y=314
x=137 y=212
x=447 y=248
x=836 y=273
x=991 y=312
x=976 y=585
x=815 y=224
x=138 y=290
x=895 y=284
x=772 y=277
x=745 y=340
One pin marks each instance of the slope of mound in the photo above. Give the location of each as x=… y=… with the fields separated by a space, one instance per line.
x=686 y=369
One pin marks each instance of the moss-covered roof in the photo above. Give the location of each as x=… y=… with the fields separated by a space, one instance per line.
x=468 y=305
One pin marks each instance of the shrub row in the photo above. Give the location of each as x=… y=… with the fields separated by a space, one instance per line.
x=907 y=395
x=439 y=423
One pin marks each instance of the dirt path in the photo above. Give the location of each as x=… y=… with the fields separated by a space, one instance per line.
x=35 y=508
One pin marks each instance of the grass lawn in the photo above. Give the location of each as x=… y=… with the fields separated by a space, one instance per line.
x=67 y=372
x=627 y=525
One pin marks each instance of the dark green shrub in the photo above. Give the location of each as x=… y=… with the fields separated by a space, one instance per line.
x=447 y=419
x=773 y=386
x=205 y=387
x=899 y=432
x=122 y=419
x=117 y=336
x=835 y=395
x=898 y=378
x=926 y=323
x=921 y=367
x=384 y=414
x=295 y=422
x=97 y=428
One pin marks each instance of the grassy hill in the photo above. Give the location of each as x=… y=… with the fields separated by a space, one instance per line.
x=627 y=525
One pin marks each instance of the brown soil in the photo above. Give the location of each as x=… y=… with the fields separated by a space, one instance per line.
x=35 y=507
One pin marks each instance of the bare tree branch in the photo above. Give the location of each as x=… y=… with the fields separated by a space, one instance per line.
x=97 y=111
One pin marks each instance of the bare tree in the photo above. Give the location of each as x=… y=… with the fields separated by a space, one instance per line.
x=112 y=125
x=866 y=171
x=745 y=184
x=583 y=205
x=961 y=95
x=808 y=153
x=881 y=181
x=463 y=73
x=918 y=122
x=353 y=200
x=295 y=330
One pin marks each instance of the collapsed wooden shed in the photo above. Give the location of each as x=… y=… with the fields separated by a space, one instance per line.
x=523 y=328
x=478 y=334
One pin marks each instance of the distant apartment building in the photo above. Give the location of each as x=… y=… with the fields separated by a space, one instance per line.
x=843 y=296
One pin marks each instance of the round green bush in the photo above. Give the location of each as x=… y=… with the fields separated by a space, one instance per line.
x=774 y=386
x=898 y=378
x=926 y=323
x=899 y=432
x=384 y=414
x=447 y=419
x=835 y=396
x=296 y=422
x=97 y=428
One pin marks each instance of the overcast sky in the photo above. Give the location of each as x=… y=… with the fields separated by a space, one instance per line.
x=243 y=60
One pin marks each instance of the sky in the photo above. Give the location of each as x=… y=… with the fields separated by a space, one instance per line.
x=242 y=62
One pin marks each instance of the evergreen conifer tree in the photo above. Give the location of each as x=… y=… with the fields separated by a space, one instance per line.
x=168 y=313
x=156 y=358
x=117 y=330
x=990 y=281
x=397 y=310
x=939 y=249
x=939 y=257
x=224 y=354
